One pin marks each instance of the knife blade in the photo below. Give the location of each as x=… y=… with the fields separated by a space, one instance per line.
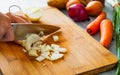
x=22 y=29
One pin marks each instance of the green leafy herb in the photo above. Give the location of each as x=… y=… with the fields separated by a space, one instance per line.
x=116 y=22
x=117 y=34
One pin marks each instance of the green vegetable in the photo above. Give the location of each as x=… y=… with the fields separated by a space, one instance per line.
x=116 y=22
x=117 y=33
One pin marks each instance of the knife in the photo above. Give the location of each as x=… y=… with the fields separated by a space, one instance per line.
x=22 y=29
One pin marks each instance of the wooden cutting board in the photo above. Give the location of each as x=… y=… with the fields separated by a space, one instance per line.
x=85 y=56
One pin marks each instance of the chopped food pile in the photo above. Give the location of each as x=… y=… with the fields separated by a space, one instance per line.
x=35 y=47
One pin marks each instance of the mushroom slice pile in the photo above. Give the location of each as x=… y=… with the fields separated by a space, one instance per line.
x=36 y=48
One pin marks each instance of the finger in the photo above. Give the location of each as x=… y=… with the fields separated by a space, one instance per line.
x=2 y=32
x=9 y=35
x=17 y=19
x=10 y=17
x=18 y=42
x=23 y=16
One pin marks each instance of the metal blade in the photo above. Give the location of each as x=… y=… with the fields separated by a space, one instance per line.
x=22 y=29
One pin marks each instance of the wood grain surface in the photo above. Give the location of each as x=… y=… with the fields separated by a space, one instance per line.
x=85 y=56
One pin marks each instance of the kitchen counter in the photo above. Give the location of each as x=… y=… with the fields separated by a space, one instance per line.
x=41 y=3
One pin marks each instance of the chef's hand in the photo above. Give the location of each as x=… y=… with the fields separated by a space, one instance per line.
x=6 y=31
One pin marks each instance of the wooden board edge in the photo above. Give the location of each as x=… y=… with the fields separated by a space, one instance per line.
x=100 y=70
